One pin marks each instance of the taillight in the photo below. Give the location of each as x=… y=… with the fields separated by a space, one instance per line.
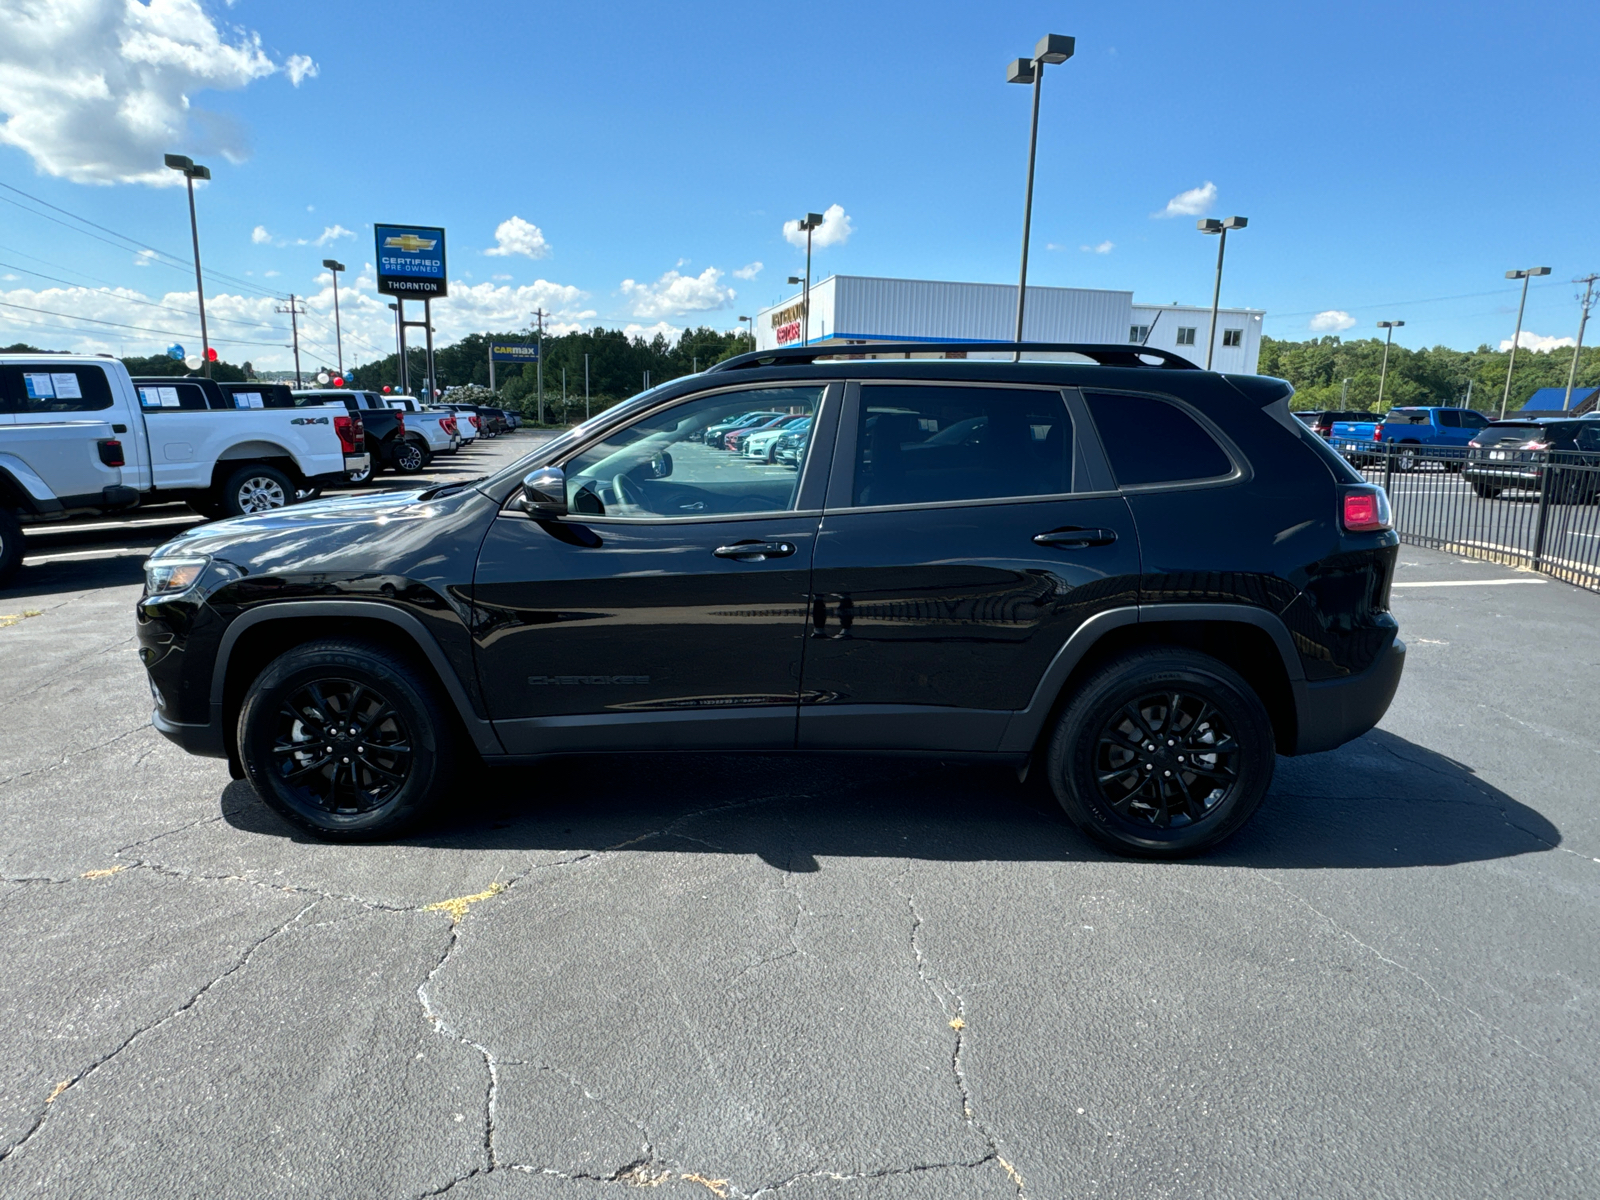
x=1536 y=445
x=449 y=426
x=111 y=453
x=1377 y=433
x=349 y=431
x=400 y=421
x=1366 y=510
x=476 y=424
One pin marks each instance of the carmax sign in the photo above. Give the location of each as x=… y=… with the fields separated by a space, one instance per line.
x=411 y=261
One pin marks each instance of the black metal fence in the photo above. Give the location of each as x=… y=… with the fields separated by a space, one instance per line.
x=1538 y=509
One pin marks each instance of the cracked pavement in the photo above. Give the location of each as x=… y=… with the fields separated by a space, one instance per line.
x=822 y=978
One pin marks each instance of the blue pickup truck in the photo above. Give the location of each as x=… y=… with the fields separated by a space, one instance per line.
x=1419 y=434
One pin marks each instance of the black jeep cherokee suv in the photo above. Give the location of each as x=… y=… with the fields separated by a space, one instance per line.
x=1141 y=578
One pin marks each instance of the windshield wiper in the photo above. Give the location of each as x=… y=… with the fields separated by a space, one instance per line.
x=446 y=489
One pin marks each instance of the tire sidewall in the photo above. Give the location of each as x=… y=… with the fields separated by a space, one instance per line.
x=431 y=757
x=1072 y=751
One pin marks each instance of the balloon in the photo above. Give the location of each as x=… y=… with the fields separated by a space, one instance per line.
x=192 y=362
x=338 y=381
x=175 y=351
x=386 y=387
x=211 y=353
x=322 y=378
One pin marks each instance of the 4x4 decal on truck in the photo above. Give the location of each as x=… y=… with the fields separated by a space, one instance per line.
x=309 y=421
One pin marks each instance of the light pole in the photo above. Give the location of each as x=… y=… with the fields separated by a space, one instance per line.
x=808 y=222
x=1383 y=372
x=1211 y=225
x=338 y=334
x=192 y=171
x=796 y=279
x=399 y=348
x=1505 y=396
x=1052 y=48
x=1587 y=302
x=752 y=321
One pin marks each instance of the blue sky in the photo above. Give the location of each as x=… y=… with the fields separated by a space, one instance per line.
x=1394 y=160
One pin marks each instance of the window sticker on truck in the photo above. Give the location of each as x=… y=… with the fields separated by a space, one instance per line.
x=158 y=397
x=248 y=400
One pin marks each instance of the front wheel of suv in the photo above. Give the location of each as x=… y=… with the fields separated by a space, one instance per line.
x=1163 y=753
x=346 y=741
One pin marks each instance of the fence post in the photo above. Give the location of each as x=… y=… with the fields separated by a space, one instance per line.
x=1388 y=469
x=1544 y=509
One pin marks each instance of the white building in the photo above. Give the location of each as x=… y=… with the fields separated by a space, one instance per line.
x=859 y=310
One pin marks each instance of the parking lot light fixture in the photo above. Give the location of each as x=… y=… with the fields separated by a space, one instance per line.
x=338 y=334
x=1383 y=372
x=192 y=171
x=809 y=222
x=1052 y=48
x=1516 y=337
x=1220 y=228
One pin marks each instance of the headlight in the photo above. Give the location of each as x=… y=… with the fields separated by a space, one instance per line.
x=169 y=576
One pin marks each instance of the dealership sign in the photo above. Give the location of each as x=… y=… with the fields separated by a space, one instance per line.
x=517 y=352
x=786 y=324
x=411 y=261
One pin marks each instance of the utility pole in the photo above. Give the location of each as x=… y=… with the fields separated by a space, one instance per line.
x=539 y=315
x=491 y=364
x=1383 y=374
x=1344 y=395
x=1505 y=396
x=1588 y=282
x=294 y=312
x=585 y=387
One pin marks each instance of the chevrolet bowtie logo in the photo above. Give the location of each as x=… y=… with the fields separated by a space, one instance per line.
x=410 y=243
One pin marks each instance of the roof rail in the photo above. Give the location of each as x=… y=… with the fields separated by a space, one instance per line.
x=1104 y=354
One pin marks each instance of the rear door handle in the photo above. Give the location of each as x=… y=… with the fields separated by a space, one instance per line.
x=755 y=551
x=1072 y=539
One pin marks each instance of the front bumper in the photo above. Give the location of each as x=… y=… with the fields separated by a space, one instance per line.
x=1334 y=711
x=204 y=740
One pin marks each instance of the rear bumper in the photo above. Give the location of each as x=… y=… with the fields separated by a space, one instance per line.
x=204 y=740
x=1334 y=711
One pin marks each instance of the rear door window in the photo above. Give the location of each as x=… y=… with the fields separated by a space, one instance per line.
x=37 y=389
x=1407 y=416
x=931 y=445
x=1449 y=419
x=1152 y=441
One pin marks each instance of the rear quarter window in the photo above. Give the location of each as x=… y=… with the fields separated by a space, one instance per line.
x=176 y=396
x=1152 y=441
x=41 y=388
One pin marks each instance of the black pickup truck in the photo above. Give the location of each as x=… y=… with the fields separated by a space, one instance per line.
x=386 y=429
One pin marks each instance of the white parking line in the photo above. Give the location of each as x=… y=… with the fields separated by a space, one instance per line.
x=35 y=559
x=186 y=518
x=1468 y=582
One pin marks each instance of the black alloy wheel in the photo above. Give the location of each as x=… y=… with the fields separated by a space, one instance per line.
x=1163 y=753
x=345 y=740
x=1406 y=459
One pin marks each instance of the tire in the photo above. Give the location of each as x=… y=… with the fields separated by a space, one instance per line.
x=374 y=461
x=379 y=794
x=255 y=488
x=772 y=454
x=410 y=458
x=1406 y=459
x=1096 y=769
x=1485 y=491
x=10 y=546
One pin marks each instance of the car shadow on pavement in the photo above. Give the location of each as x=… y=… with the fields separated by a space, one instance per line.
x=76 y=575
x=1380 y=801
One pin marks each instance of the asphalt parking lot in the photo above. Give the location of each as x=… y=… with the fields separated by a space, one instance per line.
x=830 y=978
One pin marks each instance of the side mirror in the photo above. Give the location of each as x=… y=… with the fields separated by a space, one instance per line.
x=661 y=466
x=544 y=493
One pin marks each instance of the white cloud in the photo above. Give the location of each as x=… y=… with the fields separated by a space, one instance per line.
x=97 y=90
x=500 y=278
x=331 y=234
x=1334 y=320
x=1192 y=203
x=516 y=236
x=299 y=67
x=648 y=332
x=1537 y=342
x=675 y=294
x=144 y=258
x=270 y=274
x=748 y=271
x=1105 y=247
x=835 y=229
x=260 y=236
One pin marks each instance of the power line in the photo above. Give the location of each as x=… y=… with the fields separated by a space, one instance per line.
x=112 y=292
x=123 y=325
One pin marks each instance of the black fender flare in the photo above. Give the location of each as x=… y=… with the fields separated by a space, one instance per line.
x=1022 y=731
x=478 y=728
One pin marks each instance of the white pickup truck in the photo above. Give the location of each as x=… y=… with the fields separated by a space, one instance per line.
x=176 y=439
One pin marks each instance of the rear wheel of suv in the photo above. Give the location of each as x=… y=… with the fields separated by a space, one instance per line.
x=253 y=489
x=1162 y=753
x=1486 y=491
x=346 y=741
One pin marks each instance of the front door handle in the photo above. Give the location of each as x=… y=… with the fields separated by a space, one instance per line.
x=1073 y=539
x=755 y=551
